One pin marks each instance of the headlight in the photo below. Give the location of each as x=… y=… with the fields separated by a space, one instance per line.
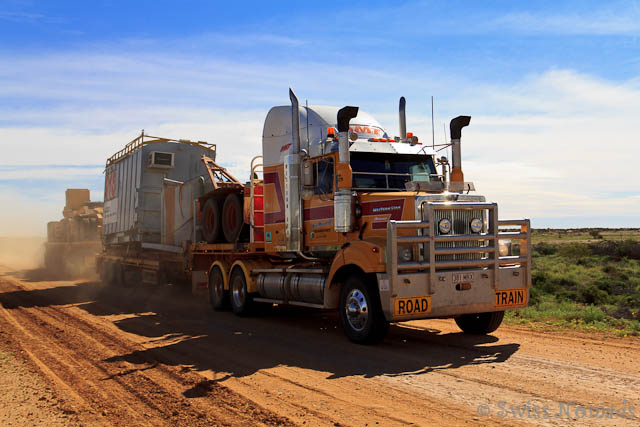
x=405 y=254
x=504 y=247
x=444 y=225
x=476 y=225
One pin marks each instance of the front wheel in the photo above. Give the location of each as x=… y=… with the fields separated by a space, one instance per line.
x=361 y=313
x=480 y=323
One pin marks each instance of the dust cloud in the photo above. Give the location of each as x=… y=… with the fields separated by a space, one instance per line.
x=21 y=253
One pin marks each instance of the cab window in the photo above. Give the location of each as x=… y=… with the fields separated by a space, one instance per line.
x=323 y=176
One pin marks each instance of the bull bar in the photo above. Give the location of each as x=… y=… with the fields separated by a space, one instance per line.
x=428 y=240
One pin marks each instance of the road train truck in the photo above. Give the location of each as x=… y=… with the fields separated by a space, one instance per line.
x=336 y=215
x=73 y=242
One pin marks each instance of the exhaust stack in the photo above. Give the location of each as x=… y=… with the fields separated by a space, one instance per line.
x=403 y=119
x=455 y=127
x=345 y=114
x=295 y=122
x=292 y=199
x=343 y=201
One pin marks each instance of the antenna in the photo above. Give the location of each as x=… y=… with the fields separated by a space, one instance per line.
x=433 y=132
x=306 y=106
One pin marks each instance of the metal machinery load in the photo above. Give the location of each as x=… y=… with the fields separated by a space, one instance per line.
x=336 y=214
x=73 y=242
x=150 y=189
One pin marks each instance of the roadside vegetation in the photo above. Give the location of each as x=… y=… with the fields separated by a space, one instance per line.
x=586 y=279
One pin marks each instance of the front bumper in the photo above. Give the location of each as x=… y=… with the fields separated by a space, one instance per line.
x=439 y=283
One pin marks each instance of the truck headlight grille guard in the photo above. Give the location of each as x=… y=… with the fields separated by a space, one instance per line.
x=460 y=249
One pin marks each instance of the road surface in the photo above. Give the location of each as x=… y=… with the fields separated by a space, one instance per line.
x=145 y=356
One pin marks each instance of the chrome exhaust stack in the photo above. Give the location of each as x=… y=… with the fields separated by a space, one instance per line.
x=402 y=116
x=455 y=127
x=343 y=201
x=292 y=199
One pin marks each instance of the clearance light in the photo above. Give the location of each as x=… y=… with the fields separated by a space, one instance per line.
x=409 y=135
x=331 y=131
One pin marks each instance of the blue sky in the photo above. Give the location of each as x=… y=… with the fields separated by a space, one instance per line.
x=553 y=89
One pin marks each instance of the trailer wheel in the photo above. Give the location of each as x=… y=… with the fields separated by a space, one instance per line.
x=211 y=220
x=232 y=219
x=218 y=297
x=361 y=313
x=241 y=299
x=480 y=323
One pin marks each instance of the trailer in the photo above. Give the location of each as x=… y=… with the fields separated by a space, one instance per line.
x=73 y=242
x=337 y=215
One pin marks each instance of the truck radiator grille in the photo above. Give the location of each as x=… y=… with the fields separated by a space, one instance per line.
x=460 y=224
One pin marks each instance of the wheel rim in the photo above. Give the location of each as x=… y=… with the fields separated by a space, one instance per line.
x=218 y=287
x=357 y=310
x=238 y=292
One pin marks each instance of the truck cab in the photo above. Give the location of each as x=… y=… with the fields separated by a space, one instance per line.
x=347 y=217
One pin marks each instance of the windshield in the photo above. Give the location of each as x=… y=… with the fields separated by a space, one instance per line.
x=389 y=171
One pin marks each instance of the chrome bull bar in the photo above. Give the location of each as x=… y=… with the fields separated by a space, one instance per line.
x=425 y=235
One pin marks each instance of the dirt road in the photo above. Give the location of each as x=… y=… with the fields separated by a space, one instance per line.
x=159 y=356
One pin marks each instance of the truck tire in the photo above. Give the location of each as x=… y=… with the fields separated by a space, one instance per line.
x=361 y=313
x=232 y=218
x=480 y=323
x=241 y=300
x=211 y=220
x=218 y=296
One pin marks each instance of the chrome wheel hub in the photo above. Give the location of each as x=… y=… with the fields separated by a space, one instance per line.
x=218 y=288
x=238 y=292
x=357 y=310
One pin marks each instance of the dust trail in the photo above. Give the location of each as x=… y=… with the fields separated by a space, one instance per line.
x=21 y=253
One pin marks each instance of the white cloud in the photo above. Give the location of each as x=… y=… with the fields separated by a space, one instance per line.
x=612 y=18
x=554 y=144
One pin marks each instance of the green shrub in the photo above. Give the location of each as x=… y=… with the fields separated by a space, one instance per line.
x=543 y=249
x=592 y=314
x=629 y=249
x=606 y=247
x=574 y=250
x=590 y=294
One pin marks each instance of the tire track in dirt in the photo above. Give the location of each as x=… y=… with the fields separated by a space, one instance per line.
x=299 y=366
x=155 y=396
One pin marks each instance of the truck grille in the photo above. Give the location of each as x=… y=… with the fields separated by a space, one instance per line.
x=460 y=224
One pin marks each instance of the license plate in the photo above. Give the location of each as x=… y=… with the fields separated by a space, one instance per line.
x=462 y=277
x=511 y=297
x=412 y=306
